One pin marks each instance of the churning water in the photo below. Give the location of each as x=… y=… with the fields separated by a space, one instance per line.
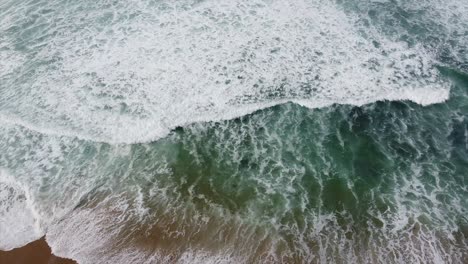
x=203 y=131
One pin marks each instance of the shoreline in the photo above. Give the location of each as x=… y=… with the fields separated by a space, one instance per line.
x=36 y=252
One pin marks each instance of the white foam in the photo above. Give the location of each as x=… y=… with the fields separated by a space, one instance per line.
x=134 y=71
x=440 y=25
x=97 y=237
x=19 y=221
x=131 y=72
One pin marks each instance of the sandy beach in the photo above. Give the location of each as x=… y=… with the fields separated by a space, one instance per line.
x=37 y=252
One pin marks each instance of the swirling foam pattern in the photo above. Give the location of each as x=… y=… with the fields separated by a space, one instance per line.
x=235 y=131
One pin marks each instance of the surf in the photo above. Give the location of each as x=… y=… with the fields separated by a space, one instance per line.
x=146 y=68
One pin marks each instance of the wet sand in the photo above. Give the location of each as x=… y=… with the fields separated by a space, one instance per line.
x=37 y=252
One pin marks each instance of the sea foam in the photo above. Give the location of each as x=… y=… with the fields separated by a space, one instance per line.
x=127 y=72
x=19 y=222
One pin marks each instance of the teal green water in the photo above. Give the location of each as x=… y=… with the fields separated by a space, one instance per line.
x=244 y=132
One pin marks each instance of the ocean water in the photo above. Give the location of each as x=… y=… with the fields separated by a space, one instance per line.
x=235 y=131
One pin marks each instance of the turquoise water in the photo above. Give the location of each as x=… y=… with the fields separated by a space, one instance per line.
x=240 y=132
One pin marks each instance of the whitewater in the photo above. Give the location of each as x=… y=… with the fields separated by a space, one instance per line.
x=144 y=68
x=270 y=131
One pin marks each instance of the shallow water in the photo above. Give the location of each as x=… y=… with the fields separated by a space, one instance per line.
x=240 y=132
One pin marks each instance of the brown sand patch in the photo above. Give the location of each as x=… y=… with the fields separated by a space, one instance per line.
x=36 y=252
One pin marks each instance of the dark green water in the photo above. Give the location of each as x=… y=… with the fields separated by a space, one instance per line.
x=244 y=132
